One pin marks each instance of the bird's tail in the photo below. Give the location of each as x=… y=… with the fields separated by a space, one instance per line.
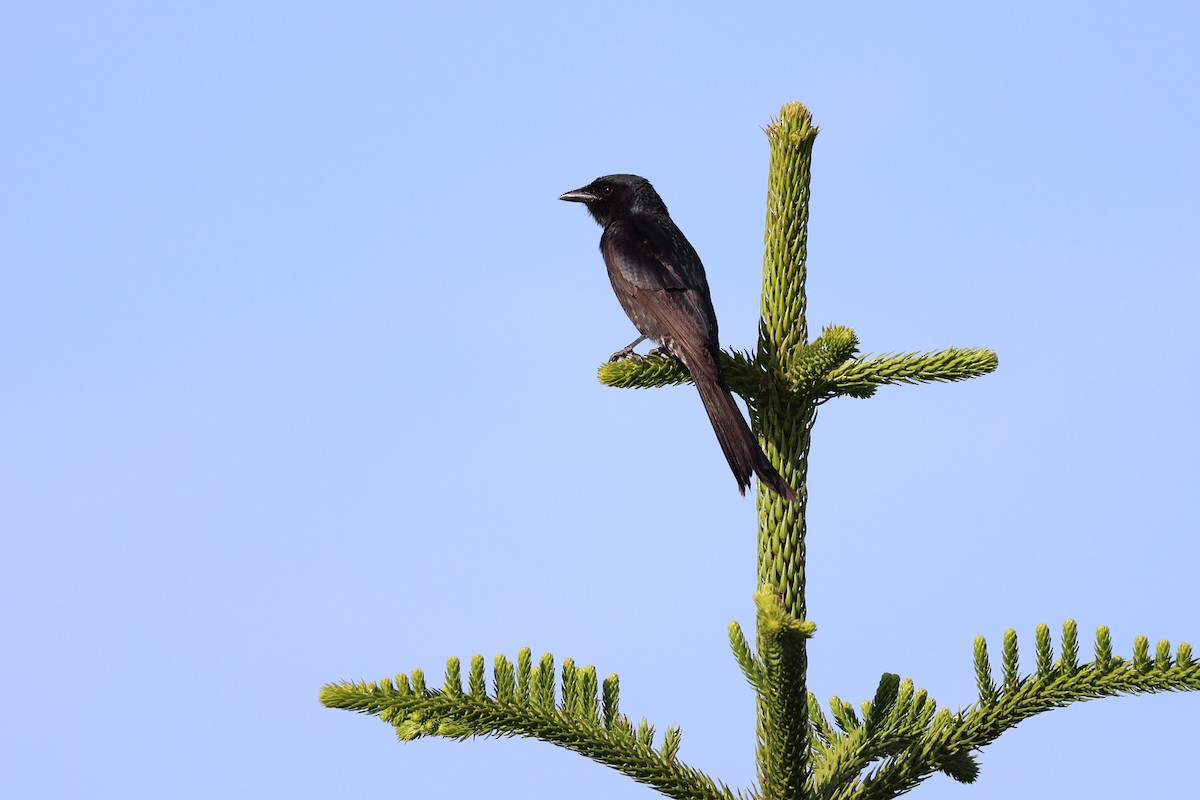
x=737 y=441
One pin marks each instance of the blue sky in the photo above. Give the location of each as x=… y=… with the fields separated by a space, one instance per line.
x=299 y=353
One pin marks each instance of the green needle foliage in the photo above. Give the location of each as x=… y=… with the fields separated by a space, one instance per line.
x=885 y=746
x=576 y=712
x=902 y=738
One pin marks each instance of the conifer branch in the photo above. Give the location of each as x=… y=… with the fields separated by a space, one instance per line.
x=862 y=376
x=778 y=681
x=644 y=372
x=821 y=369
x=911 y=742
x=816 y=359
x=744 y=376
x=891 y=722
x=784 y=420
x=751 y=667
x=577 y=714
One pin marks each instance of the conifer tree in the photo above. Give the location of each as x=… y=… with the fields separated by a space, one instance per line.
x=883 y=747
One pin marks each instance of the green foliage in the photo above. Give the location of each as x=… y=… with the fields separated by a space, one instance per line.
x=779 y=684
x=825 y=368
x=888 y=744
x=862 y=376
x=881 y=750
x=643 y=372
x=576 y=713
x=743 y=375
x=902 y=741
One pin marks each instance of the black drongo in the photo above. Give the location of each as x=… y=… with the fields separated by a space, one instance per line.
x=660 y=283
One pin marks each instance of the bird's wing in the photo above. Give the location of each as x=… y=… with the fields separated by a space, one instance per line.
x=657 y=254
x=661 y=267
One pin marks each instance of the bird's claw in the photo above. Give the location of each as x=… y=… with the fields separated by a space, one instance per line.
x=627 y=352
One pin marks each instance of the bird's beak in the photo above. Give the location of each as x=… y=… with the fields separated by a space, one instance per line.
x=579 y=196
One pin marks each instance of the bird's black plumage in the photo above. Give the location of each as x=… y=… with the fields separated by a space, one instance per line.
x=659 y=280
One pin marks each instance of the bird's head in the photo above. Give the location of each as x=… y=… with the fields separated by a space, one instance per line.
x=617 y=197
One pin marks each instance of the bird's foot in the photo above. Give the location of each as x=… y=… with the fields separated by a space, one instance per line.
x=627 y=352
x=665 y=352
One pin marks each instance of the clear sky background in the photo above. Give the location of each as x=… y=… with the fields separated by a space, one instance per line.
x=299 y=350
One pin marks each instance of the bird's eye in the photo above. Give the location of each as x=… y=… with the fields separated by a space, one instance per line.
x=606 y=191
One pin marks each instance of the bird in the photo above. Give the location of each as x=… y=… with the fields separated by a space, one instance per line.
x=660 y=282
